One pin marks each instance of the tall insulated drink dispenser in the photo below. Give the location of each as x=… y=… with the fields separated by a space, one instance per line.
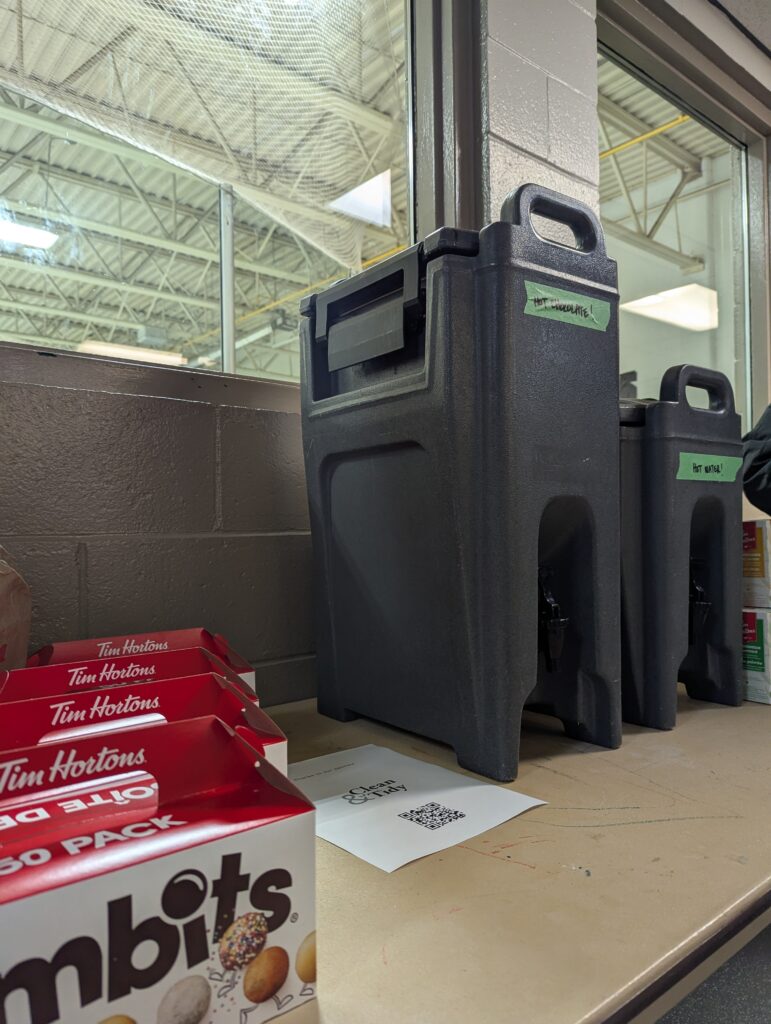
x=681 y=523
x=460 y=427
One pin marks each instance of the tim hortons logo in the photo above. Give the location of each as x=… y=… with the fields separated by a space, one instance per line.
x=14 y=777
x=108 y=649
x=109 y=673
x=192 y=908
x=102 y=707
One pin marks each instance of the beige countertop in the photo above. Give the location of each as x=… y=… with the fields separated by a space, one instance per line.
x=566 y=914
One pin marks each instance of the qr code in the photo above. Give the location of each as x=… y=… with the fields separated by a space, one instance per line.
x=432 y=815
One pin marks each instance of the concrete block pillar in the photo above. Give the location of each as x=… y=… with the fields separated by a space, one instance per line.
x=539 y=98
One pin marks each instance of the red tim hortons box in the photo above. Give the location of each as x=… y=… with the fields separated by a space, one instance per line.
x=154 y=876
x=68 y=715
x=142 y=643
x=76 y=676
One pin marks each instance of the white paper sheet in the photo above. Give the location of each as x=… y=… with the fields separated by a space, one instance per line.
x=390 y=809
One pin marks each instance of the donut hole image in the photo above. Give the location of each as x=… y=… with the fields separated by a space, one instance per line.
x=186 y=1002
x=305 y=961
x=266 y=974
x=243 y=940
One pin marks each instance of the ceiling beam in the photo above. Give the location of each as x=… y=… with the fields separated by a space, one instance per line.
x=687 y=263
x=645 y=136
x=685 y=178
x=262 y=198
x=49 y=216
x=169 y=318
x=97 y=281
x=98 y=319
x=223 y=52
x=114 y=188
x=683 y=197
x=621 y=179
x=303 y=89
x=71 y=131
x=612 y=113
x=121 y=192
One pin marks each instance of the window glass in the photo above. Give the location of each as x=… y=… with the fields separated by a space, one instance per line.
x=672 y=200
x=345 y=203
x=298 y=108
x=104 y=250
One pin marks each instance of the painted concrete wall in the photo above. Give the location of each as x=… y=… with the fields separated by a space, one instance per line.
x=135 y=498
x=540 y=121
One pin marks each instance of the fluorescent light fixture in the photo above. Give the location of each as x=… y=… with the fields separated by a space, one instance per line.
x=22 y=234
x=142 y=355
x=692 y=306
x=370 y=201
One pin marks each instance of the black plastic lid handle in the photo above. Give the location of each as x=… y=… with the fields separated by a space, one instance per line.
x=716 y=384
x=520 y=206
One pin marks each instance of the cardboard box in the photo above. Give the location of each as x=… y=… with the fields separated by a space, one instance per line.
x=154 y=875
x=756 y=654
x=756 y=564
x=77 y=676
x=15 y=616
x=142 y=643
x=67 y=715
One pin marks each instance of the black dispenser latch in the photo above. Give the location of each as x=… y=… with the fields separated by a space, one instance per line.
x=552 y=624
x=699 y=606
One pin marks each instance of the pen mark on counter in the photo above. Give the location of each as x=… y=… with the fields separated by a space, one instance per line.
x=564 y=775
x=652 y=782
x=641 y=821
x=494 y=856
x=621 y=807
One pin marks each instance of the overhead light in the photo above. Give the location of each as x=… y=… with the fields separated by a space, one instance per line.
x=692 y=306
x=370 y=201
x=22 y=234
x=142 y=355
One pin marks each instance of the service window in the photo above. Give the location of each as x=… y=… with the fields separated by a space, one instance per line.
x=673 y=206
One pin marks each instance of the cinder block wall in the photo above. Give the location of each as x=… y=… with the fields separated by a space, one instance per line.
x=539 y=64
x=134 y=498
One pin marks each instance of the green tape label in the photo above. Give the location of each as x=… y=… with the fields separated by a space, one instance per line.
x=568 y=307
x=753 y=650
x=719 y=468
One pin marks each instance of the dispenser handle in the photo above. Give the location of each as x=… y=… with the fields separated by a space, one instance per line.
x=520 y=206
x=716 y=384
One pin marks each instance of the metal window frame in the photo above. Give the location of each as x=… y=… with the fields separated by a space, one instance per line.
x=227 y=281
x=675 y=50
x=447 y=89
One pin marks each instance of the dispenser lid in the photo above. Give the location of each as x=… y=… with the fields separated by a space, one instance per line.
x=632 y=413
